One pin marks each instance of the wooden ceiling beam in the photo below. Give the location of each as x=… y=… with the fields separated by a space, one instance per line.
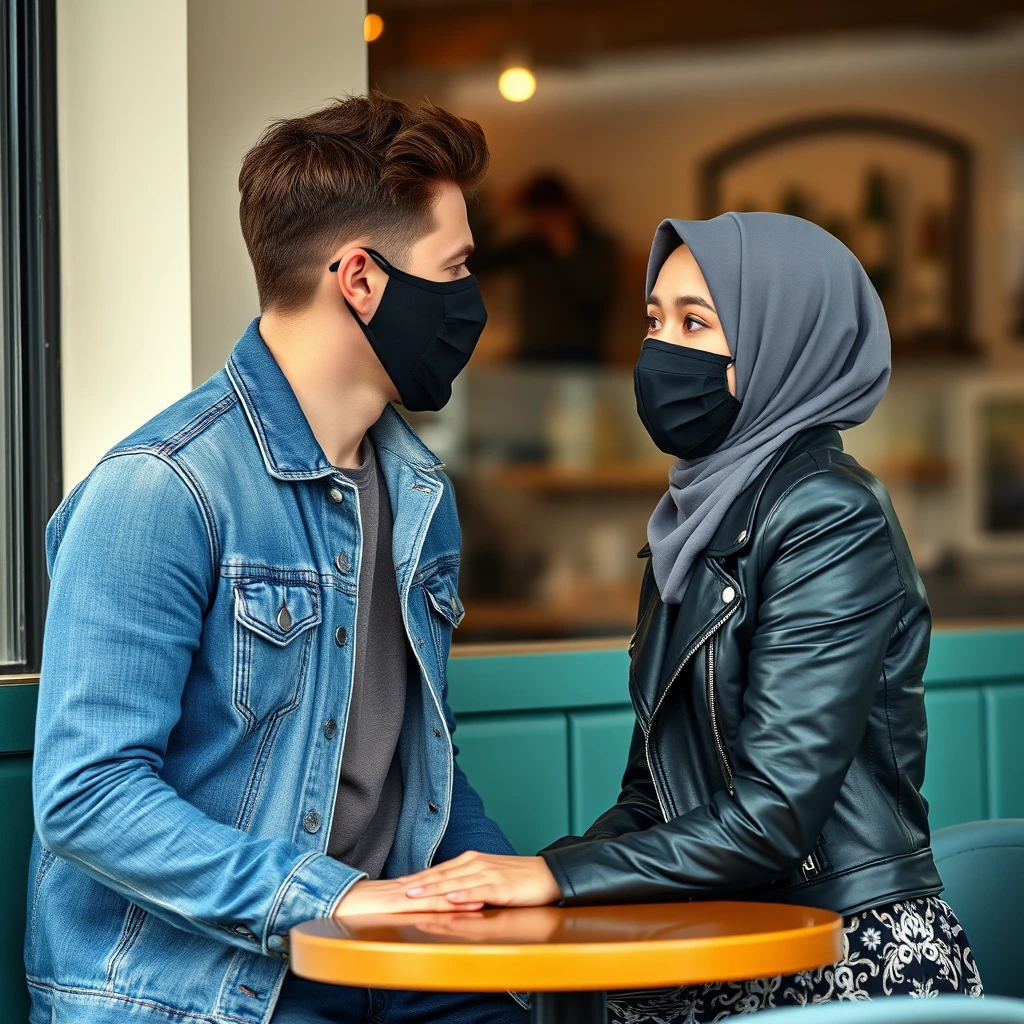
x=451 y=36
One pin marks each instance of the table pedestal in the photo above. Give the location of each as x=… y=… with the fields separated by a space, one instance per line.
x=568 y=1008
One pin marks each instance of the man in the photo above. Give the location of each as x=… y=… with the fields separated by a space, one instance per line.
x=242 y=721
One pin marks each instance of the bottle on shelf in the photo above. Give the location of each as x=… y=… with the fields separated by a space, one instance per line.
x=929 y=276
x=875 y=236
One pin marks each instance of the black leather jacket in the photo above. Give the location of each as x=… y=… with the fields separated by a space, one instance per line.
x=780 y=741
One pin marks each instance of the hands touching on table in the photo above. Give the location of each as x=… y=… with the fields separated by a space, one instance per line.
x=476 y=878
x=389 y=896
x=466 y=883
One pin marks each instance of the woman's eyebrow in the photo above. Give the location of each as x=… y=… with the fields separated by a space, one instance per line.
x=695 y=300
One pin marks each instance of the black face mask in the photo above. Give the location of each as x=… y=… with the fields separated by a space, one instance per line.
x=683 y=398
x=424 y=332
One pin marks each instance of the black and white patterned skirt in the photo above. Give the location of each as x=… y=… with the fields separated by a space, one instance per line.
x=914 y=947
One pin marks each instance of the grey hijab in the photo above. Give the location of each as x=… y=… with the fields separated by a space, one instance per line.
x=811 y=346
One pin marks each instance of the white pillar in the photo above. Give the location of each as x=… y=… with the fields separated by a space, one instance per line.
x=123 y=161
x=249 y=63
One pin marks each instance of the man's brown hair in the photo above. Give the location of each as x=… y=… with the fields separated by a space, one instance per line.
x=363 y=167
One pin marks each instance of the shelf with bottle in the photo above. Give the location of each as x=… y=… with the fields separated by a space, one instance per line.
x=642 y=477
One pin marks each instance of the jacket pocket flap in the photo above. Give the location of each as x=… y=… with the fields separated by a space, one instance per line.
x=278 y=612
x=444 y=598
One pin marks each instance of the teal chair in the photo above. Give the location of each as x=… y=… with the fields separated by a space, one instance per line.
x=905 y=1010
x=982 y=868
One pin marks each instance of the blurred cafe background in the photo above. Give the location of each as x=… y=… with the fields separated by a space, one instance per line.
x=898 y=126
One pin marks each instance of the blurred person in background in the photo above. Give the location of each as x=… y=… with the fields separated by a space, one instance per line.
x=566 y=271
x=776 y=668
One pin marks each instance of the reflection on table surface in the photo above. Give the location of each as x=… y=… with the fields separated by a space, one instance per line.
x=567 y=949
x=652 y=922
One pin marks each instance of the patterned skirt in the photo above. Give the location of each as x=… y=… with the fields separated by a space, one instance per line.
x=914 y=947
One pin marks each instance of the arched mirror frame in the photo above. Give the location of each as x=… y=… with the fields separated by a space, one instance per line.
x=958 y=152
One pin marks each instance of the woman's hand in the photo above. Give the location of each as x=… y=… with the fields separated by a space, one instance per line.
x=389 y=897
x=477 y=878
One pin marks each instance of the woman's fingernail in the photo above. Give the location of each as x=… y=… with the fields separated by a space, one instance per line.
x=454 y=896
x=414 y=892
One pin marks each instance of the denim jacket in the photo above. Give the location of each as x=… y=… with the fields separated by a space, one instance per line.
x=190 y=733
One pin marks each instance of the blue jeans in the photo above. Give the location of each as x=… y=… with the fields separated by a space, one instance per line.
x=309 y=1002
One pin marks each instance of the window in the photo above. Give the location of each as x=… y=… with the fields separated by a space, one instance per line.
x=30 y=484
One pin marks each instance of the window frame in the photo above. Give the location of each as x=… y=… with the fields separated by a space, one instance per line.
x=31 y=307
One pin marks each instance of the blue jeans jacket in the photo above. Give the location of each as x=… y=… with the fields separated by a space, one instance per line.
x=185 y=772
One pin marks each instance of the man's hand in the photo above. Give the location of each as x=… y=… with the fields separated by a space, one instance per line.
x=477 y=878
x=389 y=897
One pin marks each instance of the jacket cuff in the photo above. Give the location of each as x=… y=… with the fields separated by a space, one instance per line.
x=312 y=890
x=554 y=860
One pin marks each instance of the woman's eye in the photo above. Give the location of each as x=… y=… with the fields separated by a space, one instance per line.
x=457 y=270
x=653 y=325
x=691 y=324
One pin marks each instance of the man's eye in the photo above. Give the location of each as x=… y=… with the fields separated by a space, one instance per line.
x=457 y=270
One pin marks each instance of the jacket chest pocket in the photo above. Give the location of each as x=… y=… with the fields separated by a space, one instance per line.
x=274 y=632
x=444 y=611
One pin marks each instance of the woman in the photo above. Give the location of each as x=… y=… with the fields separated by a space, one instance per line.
x=776 y=667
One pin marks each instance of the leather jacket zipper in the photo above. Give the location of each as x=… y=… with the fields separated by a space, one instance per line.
x=713 y=714
x=694 y=647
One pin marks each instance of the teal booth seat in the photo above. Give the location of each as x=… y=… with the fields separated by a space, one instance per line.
x=905 y=1010
x=982 y=867
x=543 y=733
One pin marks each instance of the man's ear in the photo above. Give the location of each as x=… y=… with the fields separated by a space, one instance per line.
x=361 y=282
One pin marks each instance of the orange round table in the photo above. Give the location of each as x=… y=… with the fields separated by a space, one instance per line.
x=569 y=956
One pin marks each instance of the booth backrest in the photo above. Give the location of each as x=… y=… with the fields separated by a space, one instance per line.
x=543 y=733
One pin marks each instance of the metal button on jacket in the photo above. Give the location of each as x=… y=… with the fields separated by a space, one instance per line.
x=728 y=595
x=342 y=564
x=277 y=941
x=336 y=494
x=341 y=636
x=284 y=619
x=742 y=537
x=311 y=822
x=330 y=728
x=433 y=807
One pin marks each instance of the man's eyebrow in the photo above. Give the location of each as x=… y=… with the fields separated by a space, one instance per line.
x=694 y=300
x=461 y=254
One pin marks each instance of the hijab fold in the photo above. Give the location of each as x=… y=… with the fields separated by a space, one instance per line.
x=808 y=335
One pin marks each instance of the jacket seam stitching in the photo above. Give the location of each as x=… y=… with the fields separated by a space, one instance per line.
x=198 y=495
x=120 y=997
x=176 y=441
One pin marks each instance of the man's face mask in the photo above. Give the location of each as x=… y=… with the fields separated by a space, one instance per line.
x=424 y=332
x=683 y=398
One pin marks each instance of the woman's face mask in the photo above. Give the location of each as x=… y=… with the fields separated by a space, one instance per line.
x=683 y=398
x=424 y=333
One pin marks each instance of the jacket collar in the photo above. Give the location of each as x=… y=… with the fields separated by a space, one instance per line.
x=736 y=530
x=286 y=442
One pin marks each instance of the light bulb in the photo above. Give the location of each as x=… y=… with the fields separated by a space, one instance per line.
x=373 y=27
x=517 y=84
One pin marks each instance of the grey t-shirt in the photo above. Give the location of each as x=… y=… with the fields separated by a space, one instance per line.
x=369 y=797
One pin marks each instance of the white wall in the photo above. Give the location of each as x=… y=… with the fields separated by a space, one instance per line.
x=123 y=154
x=248 y=64
x=157 y=104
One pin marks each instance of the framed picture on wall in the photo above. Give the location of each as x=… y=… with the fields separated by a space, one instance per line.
x=994 y=464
